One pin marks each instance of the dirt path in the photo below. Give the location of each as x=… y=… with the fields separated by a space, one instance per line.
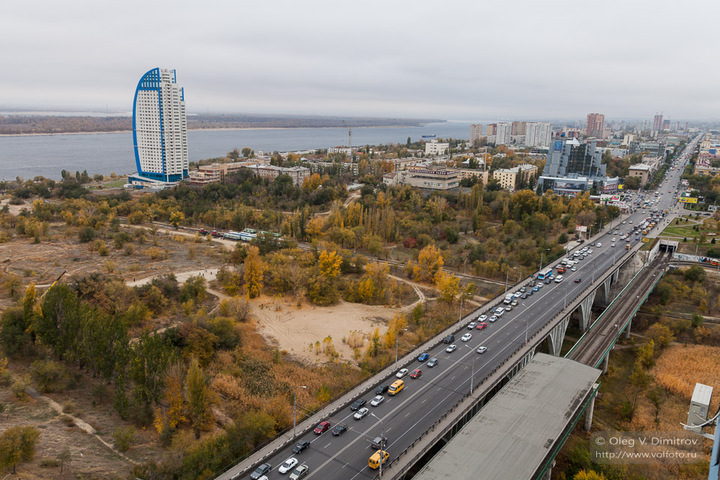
x=81 y=424
x=209 y=274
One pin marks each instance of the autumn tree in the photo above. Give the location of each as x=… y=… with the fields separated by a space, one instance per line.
x=199 y=398
x=254 y=270
x=448 y=284
x=176 y=217
x=17 y=445
x=430 y=261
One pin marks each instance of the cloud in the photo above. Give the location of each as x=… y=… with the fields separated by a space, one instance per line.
x=455 y=59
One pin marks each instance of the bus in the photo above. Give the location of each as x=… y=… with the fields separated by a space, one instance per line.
x=547 y=273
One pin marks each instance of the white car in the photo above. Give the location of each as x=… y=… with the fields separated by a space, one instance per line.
x=471 y=326
x=402 y=372
x=361 y=413
x=466 y=337
x=481 y=349
x=451 y=348
x=558 y=279
x=573 y=269
x=377 y=400
x=482 y=318
x=493 y=319
x=288 y=465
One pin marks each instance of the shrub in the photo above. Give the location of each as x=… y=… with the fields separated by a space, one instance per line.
x=123 y=438
x=49 y=376
x=86 y=234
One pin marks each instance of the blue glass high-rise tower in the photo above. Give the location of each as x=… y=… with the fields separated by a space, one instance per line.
x=159 y=129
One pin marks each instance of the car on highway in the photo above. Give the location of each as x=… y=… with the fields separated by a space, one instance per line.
x=578 y=280
x=481 y=326
x=481 y=349
x=449 y=339
x=402 y=372
x=423 y=356
x=377 y=400
x=432 y=362
x=536 y=288
x=381 y=389
x=612 y=245
x=417 y=373
x=471 y=326
x=509 y=308
x=451 y=348
x=493 y=319
x=357 y=404
x=299 y=472
x=514 y=303
x=301 y=446
x=524 y=296
x=499 y=311
x=361 y=413
x=322 y=427
x=379 y=442
x=467 y=337
x=260 y=471
x=548 y=281
x=573 y=269
x=339 y=429
x=381 y=456
x=482 y=318
x=558 y=279
x=600 y=244
x=288 y=465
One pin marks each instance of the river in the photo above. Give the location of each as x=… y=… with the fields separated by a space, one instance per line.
x=28 y=156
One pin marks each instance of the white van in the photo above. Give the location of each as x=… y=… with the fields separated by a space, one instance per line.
x=558 y=279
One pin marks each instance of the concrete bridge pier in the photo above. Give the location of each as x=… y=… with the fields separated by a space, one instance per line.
x=606 y=361
x=586 y=310
x=606 y=289
x=627 y=329
x=590 y=410
x=548 y=473
x=557 y=335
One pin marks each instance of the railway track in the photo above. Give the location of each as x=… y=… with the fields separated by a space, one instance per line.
x=604 y=333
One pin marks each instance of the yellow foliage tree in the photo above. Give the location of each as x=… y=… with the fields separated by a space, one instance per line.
x=449 y=286
x=589 y=475
x=329 y=264
x=176 y=216
x=254 y=270
x=314 y=227
x=429 y=262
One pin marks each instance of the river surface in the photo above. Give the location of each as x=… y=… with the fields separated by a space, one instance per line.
x=28 y=156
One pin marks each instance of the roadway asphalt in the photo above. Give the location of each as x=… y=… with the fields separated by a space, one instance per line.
x=404 y=417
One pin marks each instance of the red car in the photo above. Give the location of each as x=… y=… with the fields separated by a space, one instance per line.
x=322 y=427
x=481 y=325
x=417 y=373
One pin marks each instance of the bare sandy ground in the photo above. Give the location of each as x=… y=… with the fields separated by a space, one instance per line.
x=293 y=329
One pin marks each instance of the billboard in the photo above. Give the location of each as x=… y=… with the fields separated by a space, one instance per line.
x=581 y=228
x=688 y=200
x=558 y=145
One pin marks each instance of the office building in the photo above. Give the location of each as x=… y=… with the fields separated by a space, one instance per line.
x=538 y=134
x=573 y=167
x=475 y=132
x=159 y=130
x=521 y=176
x=657 y=123
x=518 y=128
x=595 y=125
x=435 y=148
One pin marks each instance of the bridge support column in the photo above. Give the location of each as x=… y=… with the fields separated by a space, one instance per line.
x=615 y=276
x=557 y=335
x=627 y=329
x=589 y=412
x=586 y=310
x=548 y=472
x=606 y=361
x=606 y=289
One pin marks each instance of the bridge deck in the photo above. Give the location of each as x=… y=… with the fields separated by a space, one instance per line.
x=521 y=424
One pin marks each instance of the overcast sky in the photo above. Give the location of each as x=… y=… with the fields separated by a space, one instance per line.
x=466 y=60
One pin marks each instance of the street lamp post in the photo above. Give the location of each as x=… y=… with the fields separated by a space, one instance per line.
x=472 y=375
x=397 y=339
x=382 y=440
x=295 y=407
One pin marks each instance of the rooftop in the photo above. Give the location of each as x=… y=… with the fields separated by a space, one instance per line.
x=514 y=435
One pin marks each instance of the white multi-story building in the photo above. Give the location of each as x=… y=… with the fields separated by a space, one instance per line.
x=435 y=148
x=503 y=133
x=538 y=134
x=159 y=130
x=475 y=132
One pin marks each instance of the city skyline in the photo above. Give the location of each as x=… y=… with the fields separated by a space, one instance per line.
x=319 y=58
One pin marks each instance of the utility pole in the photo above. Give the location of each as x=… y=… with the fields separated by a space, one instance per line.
x=295 y=407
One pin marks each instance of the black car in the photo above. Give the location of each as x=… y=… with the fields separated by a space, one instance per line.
x=339 y=429
x=260 y=471
x=381 y=389
x=357 y=404
x=547 y=281
x=449 y=339
x=301 y=446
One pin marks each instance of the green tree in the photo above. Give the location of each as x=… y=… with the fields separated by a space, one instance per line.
x=17 y=445
x=151 y=355
x=199 y=398
x=65 y=457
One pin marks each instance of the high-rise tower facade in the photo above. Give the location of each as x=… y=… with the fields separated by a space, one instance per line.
x=160 y=128
x=595 y=125
x=658 y=122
